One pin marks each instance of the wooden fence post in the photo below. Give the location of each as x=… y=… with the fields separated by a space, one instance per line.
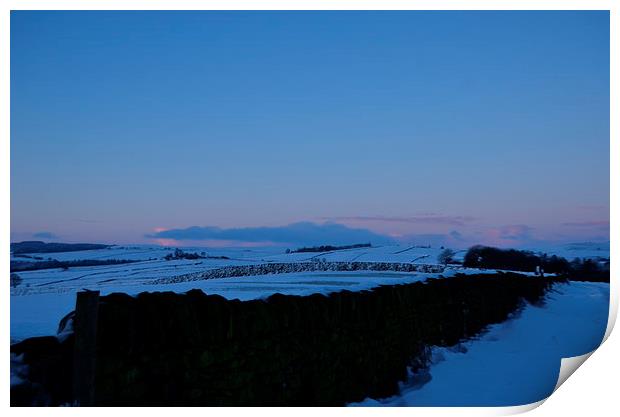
x=85 y=349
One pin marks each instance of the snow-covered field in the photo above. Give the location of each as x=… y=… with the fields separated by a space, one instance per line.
x=45 y=296
x=516 y=362
x=582 y=250
x=38 y=314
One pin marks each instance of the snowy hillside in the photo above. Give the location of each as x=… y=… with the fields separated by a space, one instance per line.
x=45 y=296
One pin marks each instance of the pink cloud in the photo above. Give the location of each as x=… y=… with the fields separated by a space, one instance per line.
x=167 y=242
x=508 y=235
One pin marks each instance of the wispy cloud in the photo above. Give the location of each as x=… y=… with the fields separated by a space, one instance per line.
x=45 y=235
x=433 y=239
x=592 y=207
x=456 y=235
x=594 y=223
x=513 y=234
x=428 y=218
x=305 y=233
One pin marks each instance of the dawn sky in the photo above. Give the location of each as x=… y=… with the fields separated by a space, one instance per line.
x=229 y=127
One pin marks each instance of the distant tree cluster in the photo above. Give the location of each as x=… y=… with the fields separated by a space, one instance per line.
x=589 y=270
x=328 y=248
x=527 y=261
x=179 y=254
x=446 y=256
x=488 y=257
x=15 y=280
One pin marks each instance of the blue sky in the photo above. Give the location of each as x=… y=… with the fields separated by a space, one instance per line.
x=459 y=127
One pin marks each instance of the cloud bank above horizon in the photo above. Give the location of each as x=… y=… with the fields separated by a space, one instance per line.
x=306 y=233
x=309 y=233
x=451 y=231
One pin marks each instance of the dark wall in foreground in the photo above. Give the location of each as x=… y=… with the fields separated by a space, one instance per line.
x=197 y=349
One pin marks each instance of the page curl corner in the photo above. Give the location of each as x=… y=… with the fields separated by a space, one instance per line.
x=568 y=367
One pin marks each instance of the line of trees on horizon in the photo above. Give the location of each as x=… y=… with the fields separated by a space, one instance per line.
x=329 y=248
x=22 y=266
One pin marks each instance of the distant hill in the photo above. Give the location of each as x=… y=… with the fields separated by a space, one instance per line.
x=35 y=246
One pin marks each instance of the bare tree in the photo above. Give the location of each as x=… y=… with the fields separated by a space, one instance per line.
x=446 y=256
x=15 y=280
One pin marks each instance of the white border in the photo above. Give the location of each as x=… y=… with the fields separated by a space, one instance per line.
x=592 y=391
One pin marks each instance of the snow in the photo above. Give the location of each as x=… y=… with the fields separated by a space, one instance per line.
x=516 y=362
x=38 y=314
x=570 y=251
x=45 y=296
